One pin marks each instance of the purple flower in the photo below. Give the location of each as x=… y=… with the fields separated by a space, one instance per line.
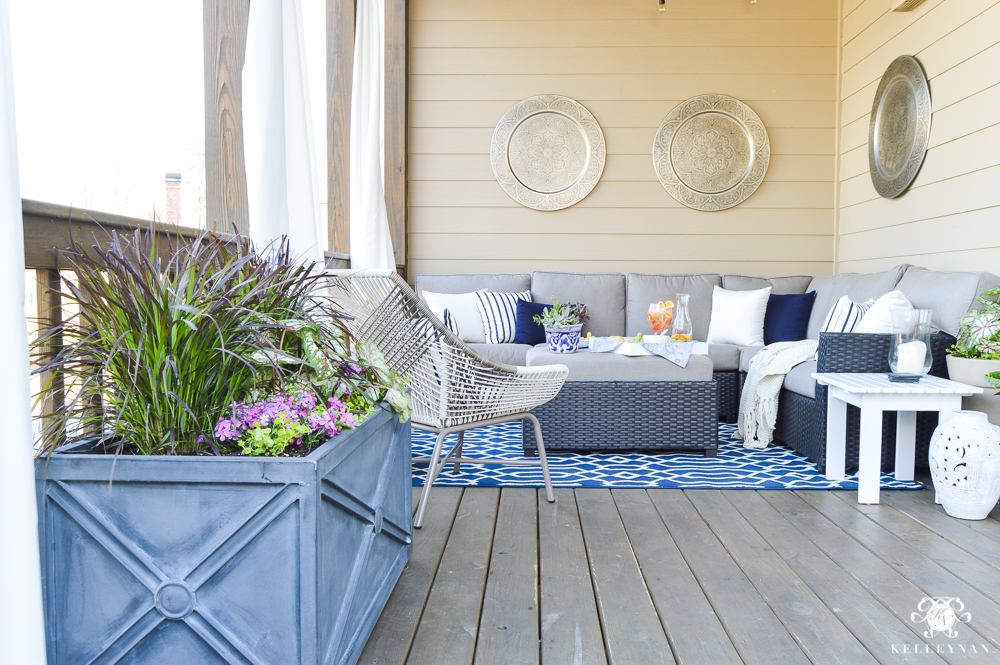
x=224 y=430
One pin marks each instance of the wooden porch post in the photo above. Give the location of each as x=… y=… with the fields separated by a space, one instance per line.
x=340 y=69
x=396 y=19
x=50 y=316
x=339 y=73
x=225 y=30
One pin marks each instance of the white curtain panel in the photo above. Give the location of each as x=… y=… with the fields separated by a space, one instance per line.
x=282 y=181
x=371 y=244
x=22 y=632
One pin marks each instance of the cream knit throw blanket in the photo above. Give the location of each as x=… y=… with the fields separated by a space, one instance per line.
x=759 y=402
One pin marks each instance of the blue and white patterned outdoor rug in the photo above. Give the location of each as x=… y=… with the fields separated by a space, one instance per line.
x=735 y=467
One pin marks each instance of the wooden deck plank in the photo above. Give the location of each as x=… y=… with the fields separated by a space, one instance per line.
x=571 y=629
x=934 y=579
x=393 y=633
x=756 y=632
x=632 y=629
x=695 y=632
x=700 y=576
x=508 y=628
x=896 y=592
x=819 y=633
x=988 y=527
x=954 y=530
x=450 y=622
x=861 y=612
x=948 y=555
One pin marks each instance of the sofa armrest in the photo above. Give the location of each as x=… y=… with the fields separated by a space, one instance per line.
x=858 y=353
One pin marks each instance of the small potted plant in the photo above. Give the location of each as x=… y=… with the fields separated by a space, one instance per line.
x=974 y=359
x=563 y=323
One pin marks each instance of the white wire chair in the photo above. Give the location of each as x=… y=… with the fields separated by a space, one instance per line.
x=453 y=388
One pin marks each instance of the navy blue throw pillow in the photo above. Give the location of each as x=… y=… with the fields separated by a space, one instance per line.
x=526 y=331
x=787 y=317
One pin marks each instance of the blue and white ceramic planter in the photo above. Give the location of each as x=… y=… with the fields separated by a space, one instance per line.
x=563 y=339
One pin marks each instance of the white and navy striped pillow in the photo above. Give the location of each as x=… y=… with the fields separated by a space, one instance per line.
x=499 y=312
x=845 y=315
x=450 y=323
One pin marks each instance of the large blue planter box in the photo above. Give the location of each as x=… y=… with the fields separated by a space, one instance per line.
x=190 y=560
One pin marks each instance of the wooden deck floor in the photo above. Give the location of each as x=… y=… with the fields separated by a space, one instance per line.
x=696 y=576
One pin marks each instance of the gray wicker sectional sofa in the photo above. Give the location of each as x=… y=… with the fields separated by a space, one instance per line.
x=618 y=303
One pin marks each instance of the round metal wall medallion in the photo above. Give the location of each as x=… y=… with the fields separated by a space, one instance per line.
x=711 y=152
x=900 y=127
x=547 y=152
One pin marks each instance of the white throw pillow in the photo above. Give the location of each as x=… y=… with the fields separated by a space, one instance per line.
x=738 y=317
x=463 y=312
x=499 y=314
x=845 y=315
x=878 y=319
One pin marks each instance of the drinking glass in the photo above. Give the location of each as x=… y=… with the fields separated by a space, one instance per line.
x=660 y=315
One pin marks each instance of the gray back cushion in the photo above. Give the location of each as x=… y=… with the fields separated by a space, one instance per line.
x=602 y=293
x=859 y=287
x=644 y=290
x=470 y=283
x=780 y=286
x=949 y=294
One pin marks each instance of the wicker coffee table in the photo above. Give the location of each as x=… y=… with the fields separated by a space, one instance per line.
x=618 y=403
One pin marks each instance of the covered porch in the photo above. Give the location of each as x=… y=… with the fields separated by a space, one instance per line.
x=498 y=575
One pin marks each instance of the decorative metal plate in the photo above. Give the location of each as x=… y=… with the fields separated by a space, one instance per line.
x=711 y=152
x=548 y=152
x=900 y=127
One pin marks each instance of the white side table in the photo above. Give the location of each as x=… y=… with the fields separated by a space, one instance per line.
x=873 y=394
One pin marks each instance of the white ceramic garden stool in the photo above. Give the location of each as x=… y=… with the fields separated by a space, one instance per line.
x=965 y=465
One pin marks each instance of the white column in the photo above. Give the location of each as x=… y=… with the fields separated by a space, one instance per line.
x=22 y=630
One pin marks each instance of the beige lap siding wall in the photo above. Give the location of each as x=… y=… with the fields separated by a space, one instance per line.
x=949 y=219
x=471 y=60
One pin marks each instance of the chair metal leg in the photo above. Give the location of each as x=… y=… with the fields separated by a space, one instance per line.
x=458 y=452
x=542 y=458
x=432 y=471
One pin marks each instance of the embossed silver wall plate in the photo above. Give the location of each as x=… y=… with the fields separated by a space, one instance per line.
x=900 y=127
x=548 y=152
x=711 y=152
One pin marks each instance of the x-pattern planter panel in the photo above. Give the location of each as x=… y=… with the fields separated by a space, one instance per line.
x=236 y=561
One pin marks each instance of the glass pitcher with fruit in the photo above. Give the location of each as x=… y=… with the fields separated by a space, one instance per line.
x=682 y=321
x=660 y=315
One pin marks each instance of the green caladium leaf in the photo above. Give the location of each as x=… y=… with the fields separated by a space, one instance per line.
x=988 y=346
x=399 y=399
x=993 y=378
x=985 y=326
x=964 y=335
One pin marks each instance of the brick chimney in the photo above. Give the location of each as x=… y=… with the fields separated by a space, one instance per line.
x=173 y=198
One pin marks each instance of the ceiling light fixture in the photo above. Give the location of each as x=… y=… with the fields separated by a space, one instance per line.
x=663 y=5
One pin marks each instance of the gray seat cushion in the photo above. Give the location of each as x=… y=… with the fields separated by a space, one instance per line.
x=642 y=290
x=725 y=357
x=602 y=293
x=949 y=294
x=586 y=366
x=746 y=355
x=779 y=285
x=857 y=286
x=509 y=354
x=470 y=283
x=799 y=380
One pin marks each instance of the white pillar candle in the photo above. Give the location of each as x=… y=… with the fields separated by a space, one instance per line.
x=911 y=356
